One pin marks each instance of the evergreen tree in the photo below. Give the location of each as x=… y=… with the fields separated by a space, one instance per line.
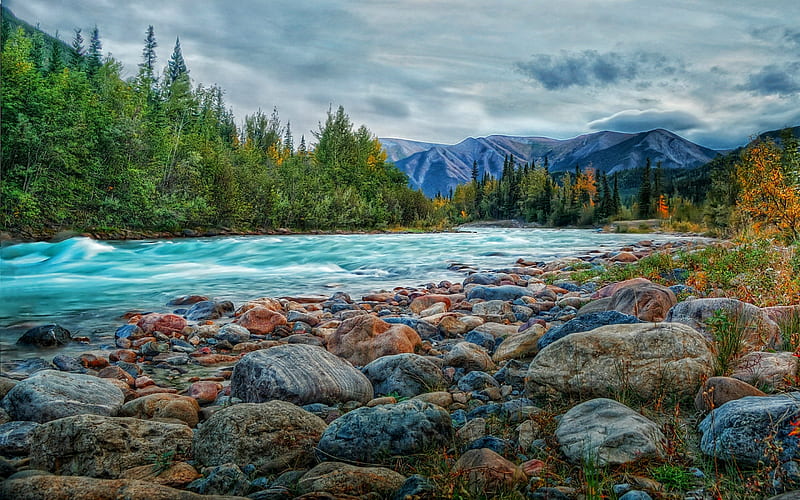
x=56 y=62
x=147 y=67
x=78 y=51
x=176 y=66
x=658 y=188
x=645 y=195
x=95 y=53
x=478 y=190
x=616 y=204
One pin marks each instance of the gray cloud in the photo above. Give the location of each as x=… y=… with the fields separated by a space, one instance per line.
x=637 y=121
x=774 y=79
x=389 y=107
x=591 y=68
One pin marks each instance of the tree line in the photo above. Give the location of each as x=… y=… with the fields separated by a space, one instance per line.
x=85 y=148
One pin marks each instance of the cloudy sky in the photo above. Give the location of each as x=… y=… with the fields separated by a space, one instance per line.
x=715 y=72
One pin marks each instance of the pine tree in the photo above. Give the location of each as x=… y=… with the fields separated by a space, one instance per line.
x=646 y=193
x=616 y=204
x=658 y=188
x=77 y=53
x=147 y=67
x=176 y=65
x=95 y=54
x=56 y=62
x=478 y=190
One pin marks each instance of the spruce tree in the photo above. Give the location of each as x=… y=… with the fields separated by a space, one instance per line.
x=78 y=51
x=95 y=54
x=176 y=65
x=616 y=204
x=56 y=62
x=645 y=196
x=147 y=67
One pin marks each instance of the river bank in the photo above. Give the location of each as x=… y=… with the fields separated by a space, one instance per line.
x=486 y=385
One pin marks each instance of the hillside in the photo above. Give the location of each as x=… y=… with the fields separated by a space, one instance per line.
x=437 y=168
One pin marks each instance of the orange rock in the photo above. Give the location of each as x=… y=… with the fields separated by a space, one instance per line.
x=142 y=341
x=265 y=302
x=214 y=359
x=126 y=355
x=421 y=303
x=164 y=323
x=364 y=338
x=143 y=381
x=176 y=475
x=204 y=391
x=115 y=372
x=624 y=257
x=154 y=389
x=609 y=290
x=92 y=361
x=260 y=320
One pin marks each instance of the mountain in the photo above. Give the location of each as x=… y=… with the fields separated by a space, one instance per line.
x=437 y=168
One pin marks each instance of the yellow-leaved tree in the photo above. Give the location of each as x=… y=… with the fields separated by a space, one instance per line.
x=770 y=190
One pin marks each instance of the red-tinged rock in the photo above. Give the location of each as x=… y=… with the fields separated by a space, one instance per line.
x=532 y=467
x=142 y=341
x=154 y=389
x=126 y=355
x=164 y=323
x=215 y=359
x=187 y=300
x=378 y=297
x=143 y=381
x=115 y=372
x=556 y=289
x=365 y=338
x=92 y=361
x=204 y=391
x=624 y=257
x=265 y=302
x=609 y=290
x=425 y=301
x=260 y=320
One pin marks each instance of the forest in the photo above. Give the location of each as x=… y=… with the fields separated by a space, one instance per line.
x=86 y=149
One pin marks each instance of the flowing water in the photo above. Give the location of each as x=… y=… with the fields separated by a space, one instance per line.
x=85 y=285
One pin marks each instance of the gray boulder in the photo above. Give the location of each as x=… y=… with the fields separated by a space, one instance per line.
x=746 y=429
x=503 y=292
x=104 y=447
x=376 y=434
x=608 y=432
x=337 y=478
x=51 y=394
x=406 y=375
x=15 y=437
x=761 y=330
x=272 y=436
x=585 y=323
x=300 y=374
x=648 y=359
x=46 y=336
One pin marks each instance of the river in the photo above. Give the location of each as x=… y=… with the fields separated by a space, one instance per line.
x=85 y=285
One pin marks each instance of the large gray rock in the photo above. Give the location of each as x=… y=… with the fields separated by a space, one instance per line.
x=469 y=356
x=745 y=430
x=104 y=447
x=46 y=336
x=761 y=330
x=51 y=394
x=503 y=292
x=15 y=437
x=272 y=436
x=406 y=375
x=49 y=487
x=648 y=359
x=376 y=434
x=300 y=374
x=608 y=432
x=585 y=323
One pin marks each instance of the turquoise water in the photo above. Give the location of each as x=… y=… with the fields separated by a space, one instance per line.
x=85 y=285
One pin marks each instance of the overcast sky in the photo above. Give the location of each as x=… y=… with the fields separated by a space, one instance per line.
x=714 y=71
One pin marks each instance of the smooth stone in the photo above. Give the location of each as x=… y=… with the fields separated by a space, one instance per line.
x=261 y=320
x=375 y=435
x=496 y=311
x=209 y=309
x=469 y=357
x=176 y=475
x=648 y=359
x=476 y=381
x=520 y=345
x=486 y=472
x=337 y=478
x=503 y=292
x=272 y=436
x=163 y=407
x=423 y=328
x=365 y=338
x=404 y=375
x=585 y=323
x=607 y=432
x=300 y=374
x=46 y=336
x=745 y=430
x=164 y=323
x=49 y=395
x=104 y=447
x=774 y=370
x=222 y=479
x=717 y=391
x=233 y=333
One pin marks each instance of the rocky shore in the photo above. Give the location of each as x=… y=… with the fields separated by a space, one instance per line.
x=514 y=383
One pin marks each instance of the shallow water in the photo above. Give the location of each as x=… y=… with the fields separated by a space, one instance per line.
x=85 y=285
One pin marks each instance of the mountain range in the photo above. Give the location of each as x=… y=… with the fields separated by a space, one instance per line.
x=438 y=168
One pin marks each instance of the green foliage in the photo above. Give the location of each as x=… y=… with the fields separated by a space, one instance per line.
x=674 y=477
x=82 y=149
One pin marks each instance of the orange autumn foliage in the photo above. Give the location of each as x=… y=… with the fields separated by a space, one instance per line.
x=767 y=193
